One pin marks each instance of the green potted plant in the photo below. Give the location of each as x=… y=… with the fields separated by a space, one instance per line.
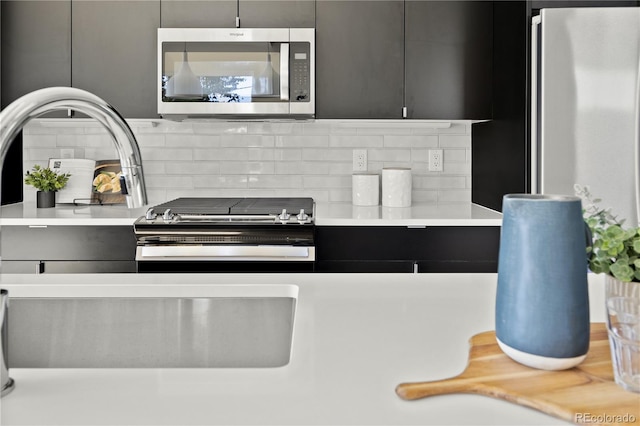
x=616 y=249
x=47 y=182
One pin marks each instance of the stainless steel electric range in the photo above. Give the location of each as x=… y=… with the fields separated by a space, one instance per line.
x=227 y=235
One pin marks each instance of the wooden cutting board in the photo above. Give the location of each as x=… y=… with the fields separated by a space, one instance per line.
x=583 y=394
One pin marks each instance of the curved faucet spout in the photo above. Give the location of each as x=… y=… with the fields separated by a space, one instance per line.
x=15 y=116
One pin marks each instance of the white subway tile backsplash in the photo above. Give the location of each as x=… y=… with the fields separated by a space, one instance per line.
x=327 y=181
x=389 y=155
x=189 y=167
x=249 y=141
x=455 y=141
x=302 y=141
x=275 y=182
x=287 y=154
x=455 y=155
x=219 y=128
x=156 y=167
x=42 y=141
x=150 y=140
x=327 y=154
x=424 y=196
x=100 y=153
x=250 y=168
x=394 y=141
x=166 y=154
x=274 y=128
x=383 y=131
x=220 y=182
x=356 y=141
x=288 y=158
x=177 y=140
x=334 y=168
x=169 y=181
x=455 y=195
x=440 y=182
x=457 y=168
x=339 y=196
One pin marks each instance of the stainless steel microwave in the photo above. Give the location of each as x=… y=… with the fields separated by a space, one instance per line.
x=236 y=71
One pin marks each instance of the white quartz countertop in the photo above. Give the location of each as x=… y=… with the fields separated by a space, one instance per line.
x=356 y=336
x=327 y=214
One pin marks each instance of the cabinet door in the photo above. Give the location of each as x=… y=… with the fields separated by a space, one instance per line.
x=398 y=249
x=68 y=243
x=359 y=59
x=36 y=47
x=277 y=13
x=114 y=53
x=68 y=267
x=198 y=13
x=448 y=59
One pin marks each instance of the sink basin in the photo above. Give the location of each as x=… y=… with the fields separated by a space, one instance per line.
x=234 y=326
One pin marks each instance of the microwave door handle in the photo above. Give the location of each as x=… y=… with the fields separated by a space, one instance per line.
x=284 y=71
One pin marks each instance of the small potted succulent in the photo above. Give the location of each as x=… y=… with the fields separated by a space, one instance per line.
x=47 y=182
x=616 y=249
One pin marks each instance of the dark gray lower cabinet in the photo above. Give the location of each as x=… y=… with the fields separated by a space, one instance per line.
x=67 y=249
x=402 y=249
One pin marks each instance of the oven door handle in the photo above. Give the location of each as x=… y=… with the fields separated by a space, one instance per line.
x=280 y=253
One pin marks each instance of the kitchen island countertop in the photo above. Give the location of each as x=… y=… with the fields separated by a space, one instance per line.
x=356 y=336
x=327 y=214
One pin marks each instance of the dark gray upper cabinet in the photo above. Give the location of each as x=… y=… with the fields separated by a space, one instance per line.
x=36 y=47
x=252 y=13
x=376 y=57
x=359 y=59
x=277 y=13
x=198 y=13
x=448 y=59
x=114 y=53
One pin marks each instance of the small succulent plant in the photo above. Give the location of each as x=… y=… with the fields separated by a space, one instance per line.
x=45 y=179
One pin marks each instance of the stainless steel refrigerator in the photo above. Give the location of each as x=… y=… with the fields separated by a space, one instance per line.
x=586 y=105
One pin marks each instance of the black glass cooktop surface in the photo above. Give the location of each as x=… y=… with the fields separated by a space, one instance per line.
x=237 y=206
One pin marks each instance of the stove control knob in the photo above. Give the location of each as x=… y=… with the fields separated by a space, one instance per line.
x=167 y=215
x=302 y=216
x=284 y=216
x=150 y=215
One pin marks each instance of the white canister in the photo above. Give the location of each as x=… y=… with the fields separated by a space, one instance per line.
x=365 y=189
x=396 y=187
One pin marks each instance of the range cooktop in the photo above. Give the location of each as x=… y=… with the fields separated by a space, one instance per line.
x=278 y=210
x=236 y=206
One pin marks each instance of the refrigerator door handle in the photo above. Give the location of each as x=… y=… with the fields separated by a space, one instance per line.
x=535 y=82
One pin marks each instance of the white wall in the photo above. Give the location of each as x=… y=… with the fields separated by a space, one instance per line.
x=303 y=158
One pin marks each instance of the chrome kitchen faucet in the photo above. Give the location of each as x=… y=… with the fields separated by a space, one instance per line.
x=15 y=116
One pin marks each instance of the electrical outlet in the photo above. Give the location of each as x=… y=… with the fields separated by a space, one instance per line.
x=359 y=160
x=66 y=153
x=435 y=160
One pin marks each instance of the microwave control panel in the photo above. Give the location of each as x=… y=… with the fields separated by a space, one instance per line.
x=300 y=81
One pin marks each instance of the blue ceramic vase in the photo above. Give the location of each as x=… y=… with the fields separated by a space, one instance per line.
x=542 y=300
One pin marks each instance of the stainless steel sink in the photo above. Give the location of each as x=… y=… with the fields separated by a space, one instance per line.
x=239 y=326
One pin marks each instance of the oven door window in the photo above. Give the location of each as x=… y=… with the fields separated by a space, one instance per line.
x=248 y=72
